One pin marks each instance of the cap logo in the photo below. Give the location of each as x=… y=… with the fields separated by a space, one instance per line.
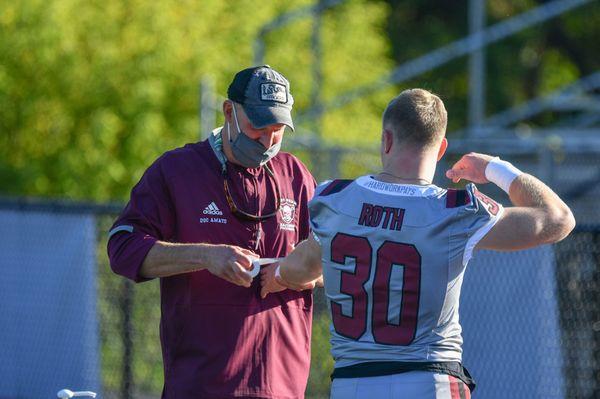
x=273 y=92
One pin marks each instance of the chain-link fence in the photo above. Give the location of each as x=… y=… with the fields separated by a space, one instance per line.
x=535 y=314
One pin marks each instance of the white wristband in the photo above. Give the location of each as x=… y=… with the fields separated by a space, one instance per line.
x=278 y=272
x=501 y=173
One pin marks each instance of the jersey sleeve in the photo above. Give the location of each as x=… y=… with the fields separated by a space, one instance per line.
x=475 y=220
x=147 y=218
x=322 y=204
x=316 y=211
x=308 y=190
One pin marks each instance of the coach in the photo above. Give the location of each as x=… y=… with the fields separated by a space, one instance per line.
x=197 y=218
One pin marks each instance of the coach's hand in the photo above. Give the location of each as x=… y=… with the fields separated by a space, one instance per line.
x=271 y=284
x=230 y=263
x=301 y=287
x=268 y=282
x=470 y=167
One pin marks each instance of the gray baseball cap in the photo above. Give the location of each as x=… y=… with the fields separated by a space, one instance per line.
x=264 y=94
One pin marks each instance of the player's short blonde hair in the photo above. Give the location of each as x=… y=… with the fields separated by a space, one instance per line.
x=417 y=117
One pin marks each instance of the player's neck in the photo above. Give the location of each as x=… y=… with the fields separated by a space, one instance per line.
x=392 y=178
x=408 y=169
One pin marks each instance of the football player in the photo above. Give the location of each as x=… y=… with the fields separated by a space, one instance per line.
x=392 y=249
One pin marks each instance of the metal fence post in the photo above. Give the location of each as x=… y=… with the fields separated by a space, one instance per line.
x=476 y=67
x=595 y=312
x=126 y=307
x=317 y=75
x=207 y=109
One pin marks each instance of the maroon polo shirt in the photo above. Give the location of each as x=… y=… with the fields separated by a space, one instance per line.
x=220 y=340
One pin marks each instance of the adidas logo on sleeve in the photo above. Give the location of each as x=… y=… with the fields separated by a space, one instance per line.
x=212 y=209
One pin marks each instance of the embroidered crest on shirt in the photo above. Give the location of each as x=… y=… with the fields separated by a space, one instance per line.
x=288 y=212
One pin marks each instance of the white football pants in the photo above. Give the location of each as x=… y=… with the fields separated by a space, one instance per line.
x=410 y=385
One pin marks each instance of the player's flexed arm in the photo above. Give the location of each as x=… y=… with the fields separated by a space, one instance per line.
x=538 y=217
x=300 y=270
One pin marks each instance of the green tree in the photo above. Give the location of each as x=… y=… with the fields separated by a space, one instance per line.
x=531 y=63
x=92 y=92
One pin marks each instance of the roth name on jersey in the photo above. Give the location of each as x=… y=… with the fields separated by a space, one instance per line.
x=385 y=217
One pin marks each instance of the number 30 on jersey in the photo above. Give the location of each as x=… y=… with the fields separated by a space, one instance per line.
x=344 y=246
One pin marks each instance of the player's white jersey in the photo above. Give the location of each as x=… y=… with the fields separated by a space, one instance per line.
x=393 y=263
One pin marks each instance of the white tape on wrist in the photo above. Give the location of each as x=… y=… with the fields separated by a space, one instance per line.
x=501 y=173
x=278 y=272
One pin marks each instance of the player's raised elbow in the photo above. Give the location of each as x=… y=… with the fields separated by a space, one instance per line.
x=558 y=224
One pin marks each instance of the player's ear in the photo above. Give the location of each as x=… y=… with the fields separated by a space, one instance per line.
x=442 y=149
x=387 y=140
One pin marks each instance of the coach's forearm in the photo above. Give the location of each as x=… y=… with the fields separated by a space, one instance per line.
x=555 y=217
x=167 y=259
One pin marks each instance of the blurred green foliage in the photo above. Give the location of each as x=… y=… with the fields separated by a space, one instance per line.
x=533 y=62
x=91 y=92
x=321 y=362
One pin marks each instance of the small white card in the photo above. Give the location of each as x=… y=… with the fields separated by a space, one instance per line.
x=257 y=263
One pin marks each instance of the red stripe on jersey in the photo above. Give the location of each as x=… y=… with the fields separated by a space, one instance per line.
x=467 y=391
x=329 y=188
x=454 y=393
x=335 y=186
x=451 y=198
x=462 y=390
x=463 y=198
x=456 y=198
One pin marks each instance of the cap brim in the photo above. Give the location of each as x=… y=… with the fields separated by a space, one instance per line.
x=262 y=116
